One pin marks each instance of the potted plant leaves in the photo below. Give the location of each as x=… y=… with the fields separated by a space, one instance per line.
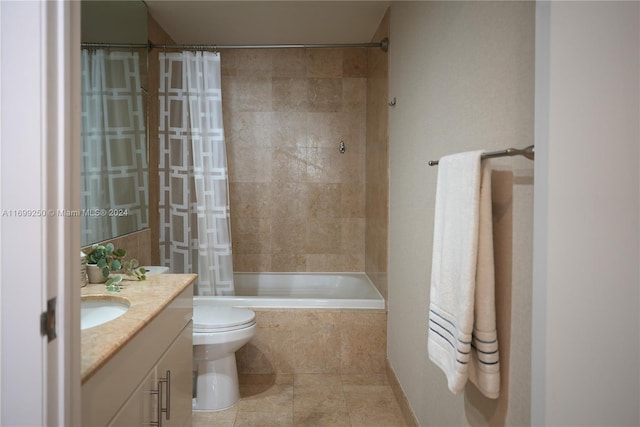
x=102 y=260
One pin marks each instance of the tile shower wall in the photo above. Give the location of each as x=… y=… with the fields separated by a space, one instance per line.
x=307 y=341
x=377 y=162
x=297 y=203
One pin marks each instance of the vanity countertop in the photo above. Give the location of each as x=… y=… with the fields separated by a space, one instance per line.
x=146 y=300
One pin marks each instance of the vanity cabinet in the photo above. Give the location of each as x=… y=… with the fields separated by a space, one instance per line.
x=177 y=397
x=140 y=409
x=125 y=391
x=165 y=393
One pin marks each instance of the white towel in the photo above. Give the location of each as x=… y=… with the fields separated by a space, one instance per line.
x=462 y=338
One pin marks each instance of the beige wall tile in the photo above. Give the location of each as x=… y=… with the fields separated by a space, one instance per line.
x=283 y=262
x=250 y=235
x=246 y=63
x=364 y=342
x=247 y=93
x=302 y=341
x=307 y=101
x=324 y=63
x=316 y=341
x=324 y=94
x=289 y=63
x=251 y=263
x=284 y=122
x=257 y=156
x=354 y=62
x=250 y=199
x=377 y=161
x=354 y=92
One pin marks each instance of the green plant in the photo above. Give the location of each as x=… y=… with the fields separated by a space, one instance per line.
x=111 y=260
x=132 y=268
x=106 y=257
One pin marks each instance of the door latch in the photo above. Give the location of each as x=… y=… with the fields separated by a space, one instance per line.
x=48 y=320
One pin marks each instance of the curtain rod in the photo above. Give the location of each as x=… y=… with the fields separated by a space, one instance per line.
x=383 y=44
x=528 y=152
x=116 y=45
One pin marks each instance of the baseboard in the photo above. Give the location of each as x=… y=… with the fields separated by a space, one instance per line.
x=407 y=413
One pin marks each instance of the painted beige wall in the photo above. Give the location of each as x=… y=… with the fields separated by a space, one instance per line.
x=586 y=321
x=114 y=22
x=463 y=76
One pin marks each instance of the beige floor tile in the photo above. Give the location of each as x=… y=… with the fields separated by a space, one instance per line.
x=265 y=379
x=258 y=398
x=318 y=380
x=373 y=405
x=309 y=400
x=264 y=419
x=224 y=418
x=321 y=419
x=365 y=379
x=377 y=420
x=313 y=398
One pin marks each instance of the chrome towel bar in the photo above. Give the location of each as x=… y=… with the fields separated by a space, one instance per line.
x=527 y=152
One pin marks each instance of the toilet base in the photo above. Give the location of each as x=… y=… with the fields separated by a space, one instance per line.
x=216 y=384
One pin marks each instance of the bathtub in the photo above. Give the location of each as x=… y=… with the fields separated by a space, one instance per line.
x=301 y=290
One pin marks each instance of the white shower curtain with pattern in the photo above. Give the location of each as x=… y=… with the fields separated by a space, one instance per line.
x=114 y=150
x=195 y=229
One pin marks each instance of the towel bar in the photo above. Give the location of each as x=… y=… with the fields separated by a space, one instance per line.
x=528 y=152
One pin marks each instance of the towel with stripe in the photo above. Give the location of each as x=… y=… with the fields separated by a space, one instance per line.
x=462 y=338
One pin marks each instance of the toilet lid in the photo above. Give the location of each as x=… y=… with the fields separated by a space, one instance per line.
x=218 y=317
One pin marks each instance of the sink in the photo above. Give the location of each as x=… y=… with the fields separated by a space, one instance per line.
x=96 y=311
x=156 y=269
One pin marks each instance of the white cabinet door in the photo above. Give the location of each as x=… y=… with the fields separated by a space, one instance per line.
x=140 y=409
x=178 y=393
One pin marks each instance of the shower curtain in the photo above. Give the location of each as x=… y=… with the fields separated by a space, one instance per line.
x=114 y=150
x=195 y=229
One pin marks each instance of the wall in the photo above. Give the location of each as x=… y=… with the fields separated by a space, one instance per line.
x=306 y=341
x=113 y=22
x=297 y=204
x=377 y=161
x=586 y=301
x=463 y=76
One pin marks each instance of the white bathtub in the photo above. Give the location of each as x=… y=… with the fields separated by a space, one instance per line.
x=301 y=290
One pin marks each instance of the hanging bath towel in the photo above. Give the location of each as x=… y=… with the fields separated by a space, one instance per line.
x=462 y=338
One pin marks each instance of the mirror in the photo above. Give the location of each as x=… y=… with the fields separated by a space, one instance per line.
x=114 y=179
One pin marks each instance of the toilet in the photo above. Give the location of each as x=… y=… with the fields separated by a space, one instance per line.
x=218 y=332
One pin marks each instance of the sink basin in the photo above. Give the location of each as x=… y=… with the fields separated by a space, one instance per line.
x=96 y=311
x=156 y=269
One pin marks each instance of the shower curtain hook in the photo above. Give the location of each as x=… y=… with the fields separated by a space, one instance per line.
x=342 y=148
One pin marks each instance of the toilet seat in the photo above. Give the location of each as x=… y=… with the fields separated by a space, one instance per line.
x=209 y=319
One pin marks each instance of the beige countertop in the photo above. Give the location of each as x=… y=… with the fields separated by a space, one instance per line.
x=146 y=300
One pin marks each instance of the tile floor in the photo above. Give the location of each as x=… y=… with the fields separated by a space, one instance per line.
x=329 y=400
